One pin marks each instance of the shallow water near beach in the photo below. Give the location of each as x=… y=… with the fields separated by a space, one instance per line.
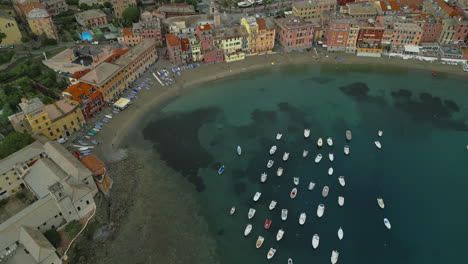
x=420 y=171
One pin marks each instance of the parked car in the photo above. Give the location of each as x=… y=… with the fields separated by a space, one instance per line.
x=62 y=140
x=95 y=42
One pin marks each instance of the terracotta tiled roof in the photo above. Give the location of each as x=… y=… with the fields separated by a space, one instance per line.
x=79 y=74
x=127 y=31
x=30 y=6
x=205 y=27
x=117 y=53
x=173 y=40
x=80 y=90
x=389 y=6
x=447 y=9
x=261 y=24
x=185 y=43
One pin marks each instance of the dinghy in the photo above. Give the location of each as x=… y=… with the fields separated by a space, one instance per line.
x=381 y=203
x=271 y=253
x=342 y=180
x=239 y=150
x=320 y=210
x=260 y=240
x=302 y=218
x=380 y=133
x=346 y=149
x=349 y=136
x=248 y=229
x=272 y=205
x=267 y=223
x=285 y=156
x=340 y=233
x=290 y=261
x=387 y=223
x=318 y=158
x=279 y=235
x=305 y=153
x=325 y=191
x=273 y=150
x=108 y=116
x=306 y=133
x=330 y=141
x=330 y=171
x=311 y=186
x=377 y=144
x=293 y=193
x=331 y=157
x=270 y=163
x=279 y=172
x=221 y=170
x=251 y=213
x=296 y=181
x=232 y=211
x=263 y=177
x=257 y=196
x=279 y=136
x=284 y=214
x=340 y=201
x=334 y=257
x=315 y=241
x=320 y=142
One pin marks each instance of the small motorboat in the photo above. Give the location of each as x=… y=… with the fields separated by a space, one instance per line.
x=233 y=210
x=267 y=223
x=340 y=201
x=263 y=177
x=330 y=171
x=279 y=235
x=293 y=193
x=273 y=150
x=315 y=241
x=284 y=214
x=305 y=153
x=349 y=136
x=239 y=150
x=279 y=172
x=257 y=196
x=342 y=180
x=272 y=205
x=378 y=144
x=306 y=133
x=381 y=203
x=248 y=229
x=330 y=141
x=279 y=136
x=271 y=253
x=270 y=163
x=346 y=149
x=334 y=257
x=320 y=142
x=290 y=261
x=251 y=213
x=260 y=240
x=387 y=223
x=296 y=181
x=380 y=133
x=331 y=157
x=340 y=233
x=325 y=191
x=221 y=170
x=285 y=156
x=108 y=116
x=302 y=218
x=320 y=210
x=318 y=158
x=311 y=186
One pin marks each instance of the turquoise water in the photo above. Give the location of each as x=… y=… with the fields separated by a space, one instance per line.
x=421 y=171
x=86 y=36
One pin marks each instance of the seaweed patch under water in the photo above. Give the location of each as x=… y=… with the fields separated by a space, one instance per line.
x=358 y=89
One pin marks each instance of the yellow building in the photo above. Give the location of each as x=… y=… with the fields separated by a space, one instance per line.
x=313 y=9
x=39 y=20
x=236 y=56
x=250 y=24
x=57 y=120
x=9 y=27
x=261 y=32
x=196 y=48
x=231 y=39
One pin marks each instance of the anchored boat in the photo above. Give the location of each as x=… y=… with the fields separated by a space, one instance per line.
x=263 y=177
x=272 y=205
x=346 y=149
x=381 y=203
x=320 y=142
x=305 y=153
x=270 y=163
x=285 y=156
x=251 y=213
x=273 y=150
x=378 y=144
x=302 y=218
x=306 y=133
x=315 y=241
x=279 y=235
x=271 y=253
x=248 y=229
x=239 y=150
x=320 y=210
x=325 y=191
x=342 y=180
x=311 y=186
x=296 y=181
x=284 y=214
x=340 y=233
x=293 y=193
x=330 y=171
x=257 y=196
x=331 y=157
x=387 y=223
x=233 y=210
x=334 y=257
x=340 y=201
x=349 y=136
x=221 y=170
x=330 y=141
x=279 y=136
x=260 y=240
x=318 y=158
x=279 y=172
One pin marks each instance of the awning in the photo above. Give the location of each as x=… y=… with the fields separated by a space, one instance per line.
x=122 y=103
x=411 y=48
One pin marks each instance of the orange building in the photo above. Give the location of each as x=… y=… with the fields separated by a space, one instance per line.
x=98 y=169
x=129 y=37
x=39 y=20
x=91 y=99
x=266 y=35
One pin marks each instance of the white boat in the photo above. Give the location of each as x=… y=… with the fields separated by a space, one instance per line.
x=257 y=196
x=260 y=240
x=285 y=156
x=377 y=144
x=342 y=180
x=272 y=205
x=279 y=235
x=318 y=158
x=273 y=150
x=387 y=223
x=380 y=133
x=330 y=171
x=271 y=253
x=306 y=133
x=305 y=153
x=320 y=210
x=302 y=218
x=334 y=257
x=330 y=141
x=320 y=142
x=340 y=233
x=346 y=149
x=270 y=163
x=340 y=201
x=279 y=136
x=381 y=203
x=349 y=135
x=263 y=177
x=108 y=116
x=239 y=150
x=290 y=261
x=296 y=181
x=251 y=213
x=248 y=229
x=315 y=241
x=311 y=186
x=293 y=193
x=325 y=191
x=233 y=210
x=284 y=214
x=279 y=171
x=331 y=157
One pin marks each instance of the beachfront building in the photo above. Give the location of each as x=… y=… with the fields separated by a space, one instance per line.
x=205 y=36
x=313 y=8
x=431 y=28
x=261 y=34
x=39 y=20
x=57 y=120
x=63 y=190
x=353 y=33
x=461 y=31
x=448 y=31
x=120 y=5
x=233 y=42
x=9 y=27
x=107 y=78
x=90 y=99
x=91 y=18
x=337 y=35
x=98 y=169
x=179 y=49
x=406 y=34
x=55 y=7
x=369 y=41
x=294 y=33
x=213 y=55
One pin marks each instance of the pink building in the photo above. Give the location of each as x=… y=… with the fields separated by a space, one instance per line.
x=406 y=34
x=294 y=33
x=149 y=28
x=205 y=35
x=461 y=30
x=431 y=29
x=213 y=55
x=93 y=18
x=337 y=34
x=174 y=49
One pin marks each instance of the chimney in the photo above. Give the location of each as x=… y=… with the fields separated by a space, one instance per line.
x=217 y=20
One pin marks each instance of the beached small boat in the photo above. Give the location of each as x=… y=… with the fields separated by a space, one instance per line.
x=387 y=223
x=284 y=214
x=349 y=135
x=290 y=261
x=267 y=223
x=380 y=133
x=239 y=150
x=306 y=133
x=311 y=186
x=378 y=144
x=331 y=157
x=221 y=170
x=330 y=171
x=330 y=141
x=296 y=181
x=251 y=213
x=334 y=257
x=341 y=180
x=305 y=153
x=279 y=171
x=279 y=235
x=257 y=196
x=320 y=142
x=260 y=240
x=325 y=191
x=340 y=233
x=108 y=116
x=302 y=218
x=346 y=149
x=272 y=205
x=270 y=163
x=248 y=229
x=320 y=210
x=232 y=211
x=381 y=203
x=273 y=150
x=271 y=253
x=315 y=241
x=340 y=201
x=293 y=193
x=318 y=158
x=285 y=156
x=263 y=177
x=279 y=136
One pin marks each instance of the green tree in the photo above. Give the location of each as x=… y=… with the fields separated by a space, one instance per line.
x=72 y=2
x=2 y=36
x=72 y=228
x=85 y=7
x=53 y=236
x=107 y=4
x=130 y=15
x=49 y=42
x=14 y=142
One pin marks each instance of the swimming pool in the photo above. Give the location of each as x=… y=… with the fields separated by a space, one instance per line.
x=86 y=36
